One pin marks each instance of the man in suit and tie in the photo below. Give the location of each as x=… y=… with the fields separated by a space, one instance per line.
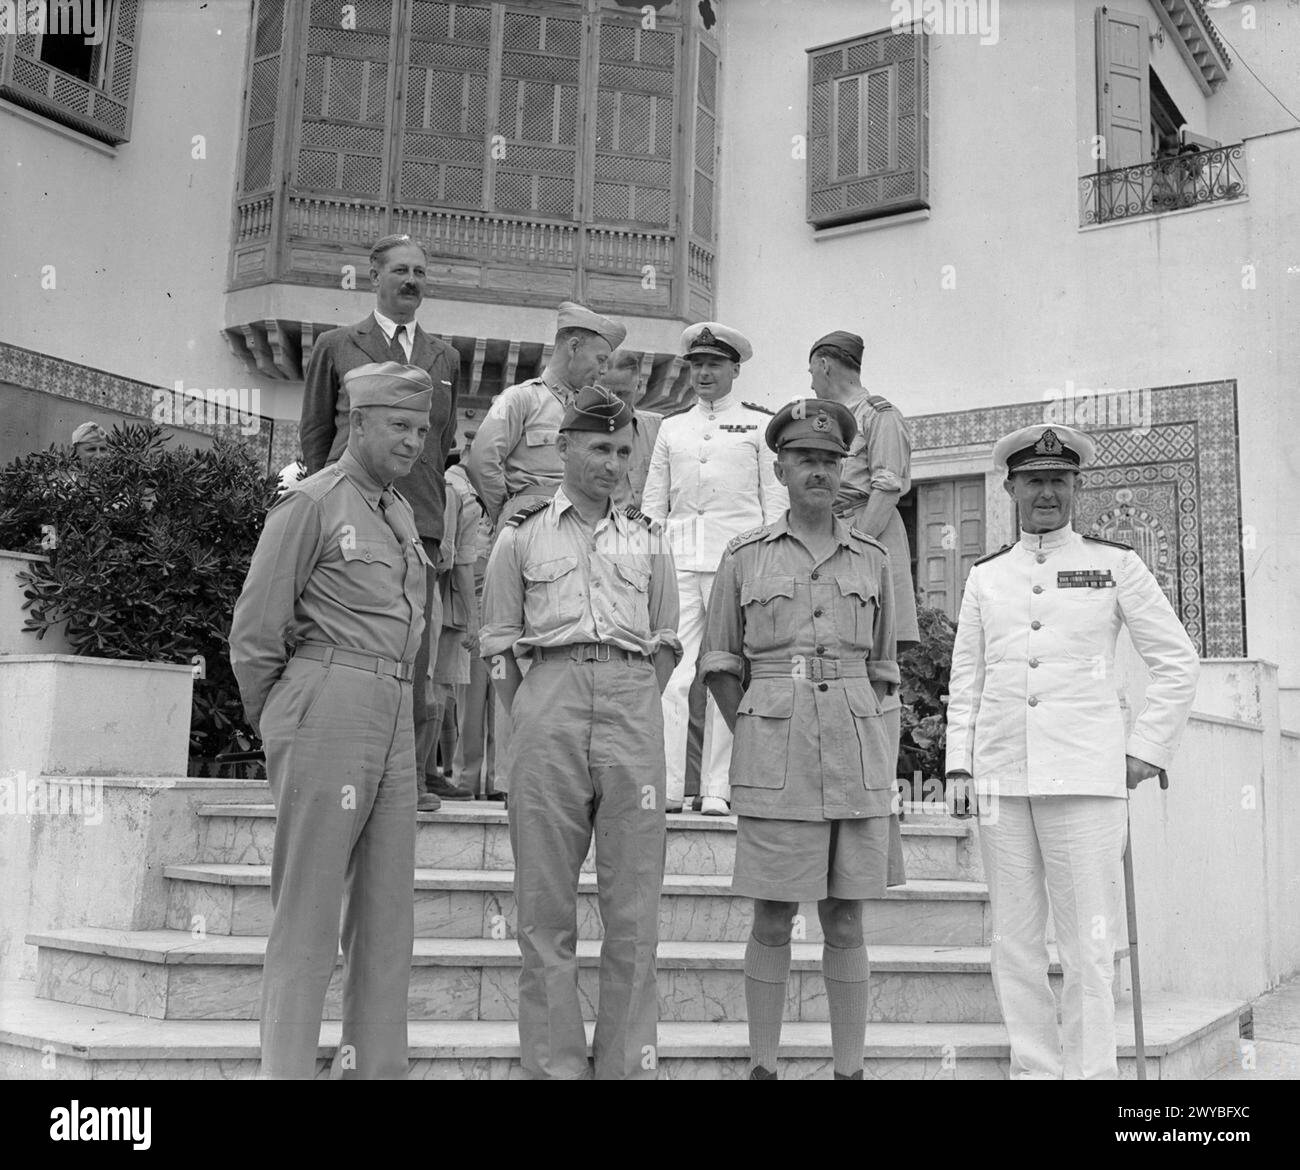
x=391 y=333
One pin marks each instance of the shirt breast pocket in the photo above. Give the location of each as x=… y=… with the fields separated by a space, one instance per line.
x=554 y=593
x=540 y=437
x=761 y=747
x=855 y=615
x=767 y=602
x=372 y=573
x=631 y=600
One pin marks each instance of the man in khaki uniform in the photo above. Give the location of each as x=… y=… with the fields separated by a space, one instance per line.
x=802 y=611
x=323 y=645
x=878 y=470
x=580 y=586
x=622 y=377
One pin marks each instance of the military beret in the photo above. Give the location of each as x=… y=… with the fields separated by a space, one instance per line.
x=712 y=337
x=849 y=344
x=1044 y=447
x=89 y=432
x=812 y=422
x=390 y=384
x=596 y=409
x=575 y=316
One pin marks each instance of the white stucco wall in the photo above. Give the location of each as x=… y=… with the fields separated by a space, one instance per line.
x=1037 y=302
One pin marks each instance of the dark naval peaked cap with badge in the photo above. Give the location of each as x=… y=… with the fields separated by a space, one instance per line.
x=812 y=422
x=390 y=384
x=1044 y=447
x=596 y=409
x=715 y=339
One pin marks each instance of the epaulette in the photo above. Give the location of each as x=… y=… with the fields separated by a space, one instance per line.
x=746 y=538
x=527 y=510
x=318 y=486
x=632 y=512
x=990 y=556
x=1112 y=543
x=760 y=409
x=869 y=539
x=880 y=405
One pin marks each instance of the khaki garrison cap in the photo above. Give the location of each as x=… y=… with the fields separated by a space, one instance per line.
x=575 y=316
x=390 y=384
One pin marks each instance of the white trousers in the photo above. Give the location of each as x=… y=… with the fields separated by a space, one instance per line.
x=693 y=591
x=1068 y=848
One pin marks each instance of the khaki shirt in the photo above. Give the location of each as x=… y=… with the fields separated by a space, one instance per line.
x=514 y=449
x=809 y=746
x=551 y=581
x=645 y=430
x=328 y=568
x=880 y=456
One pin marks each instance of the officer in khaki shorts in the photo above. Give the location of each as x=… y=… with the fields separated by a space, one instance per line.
x=580 y=586
x=798 y=650
x=323 y=644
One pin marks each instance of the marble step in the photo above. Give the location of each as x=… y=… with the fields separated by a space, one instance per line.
x=44 y=1040
x=236 y=899
x=474 y=835
x=168 y=975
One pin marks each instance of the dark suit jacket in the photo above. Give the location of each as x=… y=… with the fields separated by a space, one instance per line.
x=323 y=429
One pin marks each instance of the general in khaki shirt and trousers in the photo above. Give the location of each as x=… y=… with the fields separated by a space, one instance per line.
x=583 y=588
x=323 y=645
x=1035 y=719
x=799 y=651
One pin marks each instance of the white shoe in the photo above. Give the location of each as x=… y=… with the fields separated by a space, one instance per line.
x=715 y=806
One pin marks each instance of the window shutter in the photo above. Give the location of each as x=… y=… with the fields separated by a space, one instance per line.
x=706 y=144
x=634 y=124
x=541 y=60
x=1123 y=89
x=346 y=100
x=444 y=132
x=257 y=172
x=868 y=127
x=102 y=111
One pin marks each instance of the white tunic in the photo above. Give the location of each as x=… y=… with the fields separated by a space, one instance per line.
x=710 y=479
x=1033 y=708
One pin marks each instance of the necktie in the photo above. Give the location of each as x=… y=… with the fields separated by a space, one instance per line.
x=395 y=350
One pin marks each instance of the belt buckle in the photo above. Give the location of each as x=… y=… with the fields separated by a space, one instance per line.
x=405 y=671
x=599 y=656
x=814 y=670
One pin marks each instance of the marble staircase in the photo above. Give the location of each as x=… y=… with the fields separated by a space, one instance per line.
x=181 y=1000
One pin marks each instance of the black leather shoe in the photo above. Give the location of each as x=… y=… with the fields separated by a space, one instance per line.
x=445 y=791
x=857 y=1076
x=759 y=1073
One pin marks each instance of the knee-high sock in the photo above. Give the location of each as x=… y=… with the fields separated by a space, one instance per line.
x=766 y=971
x=846 y=970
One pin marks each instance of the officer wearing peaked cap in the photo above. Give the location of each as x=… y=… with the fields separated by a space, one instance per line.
x=589 y=593
x=323 y=644
x=799 y=652
x=878 y=470
x=710 y=479
x=1035 y=720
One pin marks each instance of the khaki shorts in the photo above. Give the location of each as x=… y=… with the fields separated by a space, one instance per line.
x=805 y=861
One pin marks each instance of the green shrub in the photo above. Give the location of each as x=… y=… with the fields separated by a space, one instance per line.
x=134 y=581
x=925 y=668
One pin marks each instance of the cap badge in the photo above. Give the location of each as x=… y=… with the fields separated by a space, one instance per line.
x=822 y=422
x=705 y=337
x=1048 y=444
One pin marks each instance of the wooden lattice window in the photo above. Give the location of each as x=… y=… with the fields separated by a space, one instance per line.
x=262 y=96
x=706 y=143
x=48 y=68
x=868 y=127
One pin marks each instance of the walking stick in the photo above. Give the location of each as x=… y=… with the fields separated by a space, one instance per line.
x=1130 y=905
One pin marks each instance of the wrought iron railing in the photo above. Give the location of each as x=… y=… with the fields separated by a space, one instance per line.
x=1165 y=184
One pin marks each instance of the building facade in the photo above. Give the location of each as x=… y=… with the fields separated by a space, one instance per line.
x=1055 y=210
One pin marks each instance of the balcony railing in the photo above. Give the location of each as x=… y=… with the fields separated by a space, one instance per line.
x=1165 y=184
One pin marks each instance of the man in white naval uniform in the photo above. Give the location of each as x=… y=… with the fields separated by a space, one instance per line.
x=1035 y=719
x=711 y=478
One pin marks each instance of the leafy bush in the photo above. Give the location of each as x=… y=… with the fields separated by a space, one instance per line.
x=148 y=551
x=925 y=668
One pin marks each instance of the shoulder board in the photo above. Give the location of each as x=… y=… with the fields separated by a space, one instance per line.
x=746 y=538
x=632 y=512
x=760 y=409
x=990 y=556
x=880 y=404
x=318 y=486
x=1112 y=543
x=853 y=532
x=527 y=510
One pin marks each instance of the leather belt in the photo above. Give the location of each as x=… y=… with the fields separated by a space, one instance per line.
x=809 y=667
x=586 y=652
x=374 y=663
